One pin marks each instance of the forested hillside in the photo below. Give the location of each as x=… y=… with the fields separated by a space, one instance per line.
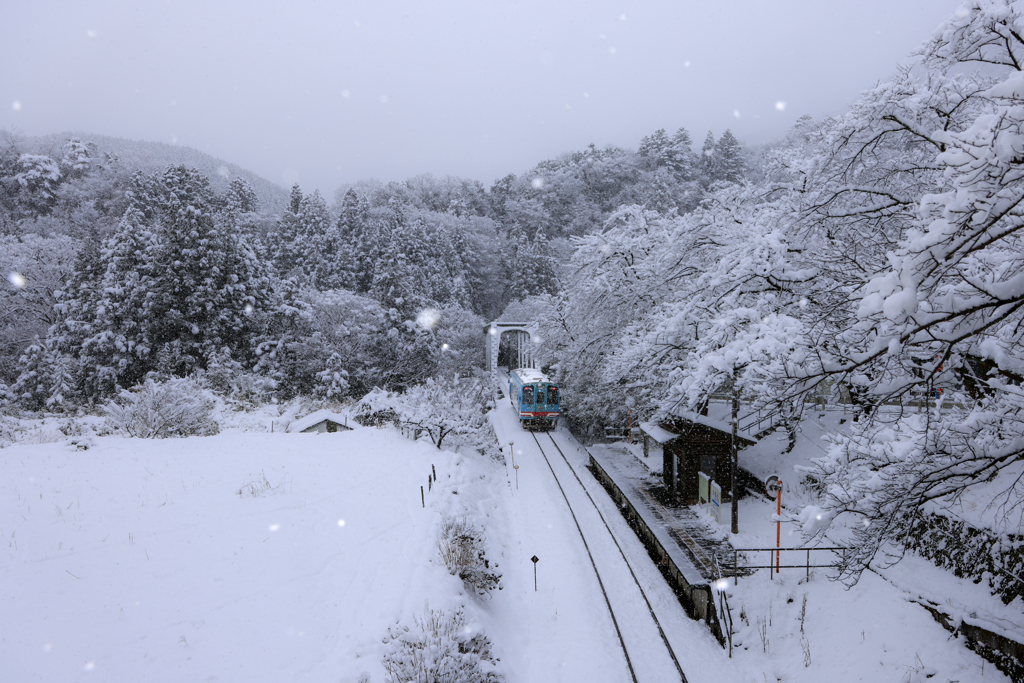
x=873 y=257
x=120 y=272
x=150 y=157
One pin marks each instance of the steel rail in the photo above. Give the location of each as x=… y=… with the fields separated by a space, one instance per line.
x=586 y=546
x=643 y=593
x=650 y=608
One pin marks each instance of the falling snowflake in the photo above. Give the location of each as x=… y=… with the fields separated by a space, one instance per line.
x=428 y=317
x=17 y=279
x=780 y=105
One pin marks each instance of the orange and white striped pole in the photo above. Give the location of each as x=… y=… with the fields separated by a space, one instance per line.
x=778 y=524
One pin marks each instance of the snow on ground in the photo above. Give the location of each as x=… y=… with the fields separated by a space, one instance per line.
x=233 y=557
x=871 y=632
x=565 y=627
x=259 y=556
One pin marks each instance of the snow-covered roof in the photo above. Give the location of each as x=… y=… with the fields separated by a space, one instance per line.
x=316 y=418
x=720 y=425
x=531 y=375
x=657 y=433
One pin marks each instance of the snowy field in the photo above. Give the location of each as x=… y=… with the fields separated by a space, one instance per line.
x=234 y=557
x=287 y=557
x=249 y=556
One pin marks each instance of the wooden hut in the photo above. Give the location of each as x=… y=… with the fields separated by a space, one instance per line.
x=692 y=443
x=321 y=422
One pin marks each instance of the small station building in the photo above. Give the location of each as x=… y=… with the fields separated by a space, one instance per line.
x=689 y=443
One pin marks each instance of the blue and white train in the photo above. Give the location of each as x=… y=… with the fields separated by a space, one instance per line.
x=534 y=397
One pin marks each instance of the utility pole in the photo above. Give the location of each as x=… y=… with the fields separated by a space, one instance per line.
x=734 y=464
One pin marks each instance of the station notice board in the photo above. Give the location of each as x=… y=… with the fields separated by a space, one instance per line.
x=716 y=502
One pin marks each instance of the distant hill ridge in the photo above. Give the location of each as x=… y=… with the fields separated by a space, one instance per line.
x=156 y=156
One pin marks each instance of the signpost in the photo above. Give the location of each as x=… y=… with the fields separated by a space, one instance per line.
x=514 y=465
x=716 y=502
x=774 y=484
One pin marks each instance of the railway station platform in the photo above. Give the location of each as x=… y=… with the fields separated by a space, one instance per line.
x=687 y=553
x=685 y=537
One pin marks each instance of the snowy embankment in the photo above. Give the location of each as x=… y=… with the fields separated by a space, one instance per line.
x=789 y=628
x=233 y=557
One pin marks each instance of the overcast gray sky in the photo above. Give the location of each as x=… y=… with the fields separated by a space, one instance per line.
x=326 y=93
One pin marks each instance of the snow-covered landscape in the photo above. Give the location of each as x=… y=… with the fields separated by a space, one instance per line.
x=286 y=556
x=427 y=429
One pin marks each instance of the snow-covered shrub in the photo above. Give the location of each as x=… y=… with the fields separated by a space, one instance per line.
x=376 y=409
x=441 y=647
x=461 y=547
x=451 y=411
x=241 y=388
x=38 y=433
x=332 y=381
x=157 y=411
x=8 y=431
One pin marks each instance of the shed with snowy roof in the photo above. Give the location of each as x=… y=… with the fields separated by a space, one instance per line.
x=690 y=443
x=321 y=422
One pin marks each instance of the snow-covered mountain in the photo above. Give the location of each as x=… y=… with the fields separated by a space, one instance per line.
x=156 y=156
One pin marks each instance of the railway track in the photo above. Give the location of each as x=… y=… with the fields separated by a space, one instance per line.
x=636 y=624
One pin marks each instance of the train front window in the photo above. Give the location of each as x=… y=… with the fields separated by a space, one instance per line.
x=541 y=398
x=527 y=394
x=553 y=395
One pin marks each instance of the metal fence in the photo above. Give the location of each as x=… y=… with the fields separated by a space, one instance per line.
x=776 y=565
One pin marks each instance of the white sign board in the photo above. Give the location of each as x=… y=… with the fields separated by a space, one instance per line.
x=716 y=502
x=703 y=488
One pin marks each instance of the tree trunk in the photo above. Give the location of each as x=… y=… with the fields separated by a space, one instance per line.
x=734 y=464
